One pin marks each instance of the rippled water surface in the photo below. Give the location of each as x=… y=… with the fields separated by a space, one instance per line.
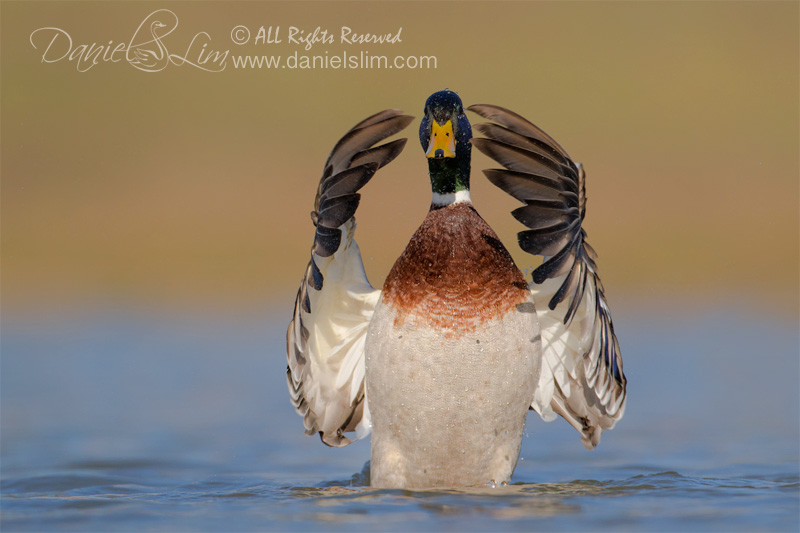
x=115 y=421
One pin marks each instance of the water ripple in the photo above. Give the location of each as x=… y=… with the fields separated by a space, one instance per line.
x=79 y=496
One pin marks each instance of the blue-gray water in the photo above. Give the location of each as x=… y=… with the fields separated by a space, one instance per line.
x=135 y=421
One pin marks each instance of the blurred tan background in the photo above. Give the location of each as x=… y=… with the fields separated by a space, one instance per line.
x=187 y=188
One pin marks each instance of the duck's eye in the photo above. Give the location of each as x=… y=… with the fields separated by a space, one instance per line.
x=447 y=133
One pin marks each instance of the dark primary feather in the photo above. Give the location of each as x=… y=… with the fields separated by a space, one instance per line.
x=362 y=137
x=507 y=136
x=349 y=180
x=519 y=159
x=519 y=125
x=335 y=211
x=537 y=216
x=326 y=240
x=351 y=164
x=547 y=241
x=382 y=154
x=540 y=173
x=554 y=216
x=528 y=188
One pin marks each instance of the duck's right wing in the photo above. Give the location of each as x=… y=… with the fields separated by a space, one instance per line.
x=335 y=302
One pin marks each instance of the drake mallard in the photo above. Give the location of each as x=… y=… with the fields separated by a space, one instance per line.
x=443 y=364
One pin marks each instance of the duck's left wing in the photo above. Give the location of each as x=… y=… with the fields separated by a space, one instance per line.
x=581 y=378
x=335 y=302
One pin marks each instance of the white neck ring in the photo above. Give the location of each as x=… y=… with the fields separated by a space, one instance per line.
x=449 y=198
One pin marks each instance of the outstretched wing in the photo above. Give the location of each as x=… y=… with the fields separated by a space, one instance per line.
x=582 y=378
x=335 y=302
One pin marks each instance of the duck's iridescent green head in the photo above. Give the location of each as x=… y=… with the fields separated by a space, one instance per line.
x=445 y=135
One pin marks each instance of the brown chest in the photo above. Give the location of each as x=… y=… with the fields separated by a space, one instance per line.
x=454 y=274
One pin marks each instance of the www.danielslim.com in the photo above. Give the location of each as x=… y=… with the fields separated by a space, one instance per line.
x=345 y=60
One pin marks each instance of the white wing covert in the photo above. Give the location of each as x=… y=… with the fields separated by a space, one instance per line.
x=335 y=302
x=582 y=378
